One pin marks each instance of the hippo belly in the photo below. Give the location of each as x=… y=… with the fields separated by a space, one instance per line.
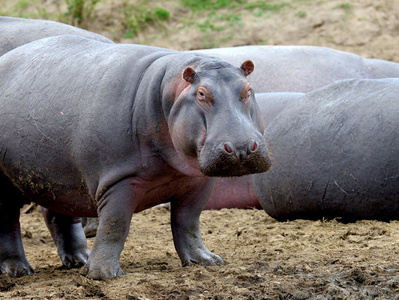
x=335 y=154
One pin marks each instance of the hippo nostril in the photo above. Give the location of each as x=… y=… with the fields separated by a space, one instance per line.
x=227 y=149
x=254 y=147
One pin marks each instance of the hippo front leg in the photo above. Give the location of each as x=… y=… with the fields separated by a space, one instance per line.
x=185 y=214
x=116 y=208
x=68 y=235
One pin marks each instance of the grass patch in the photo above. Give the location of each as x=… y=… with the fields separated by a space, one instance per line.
x=301 y=14
x=80 y=10
x=203 y=5
x=347 y=7
x=137 y=17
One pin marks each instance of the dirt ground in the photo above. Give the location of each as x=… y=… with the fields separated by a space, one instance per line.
x=264 y=259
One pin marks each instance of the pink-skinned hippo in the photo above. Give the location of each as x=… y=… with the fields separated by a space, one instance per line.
x=335 y=154
x=100 y=129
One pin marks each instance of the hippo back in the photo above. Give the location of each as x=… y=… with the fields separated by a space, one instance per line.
x=18 y=31
x=303 y=68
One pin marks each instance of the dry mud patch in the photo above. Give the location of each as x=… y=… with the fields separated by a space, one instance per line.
x=264 y=259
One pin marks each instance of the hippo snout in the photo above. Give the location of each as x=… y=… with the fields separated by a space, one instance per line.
x=241 y=152
x=234 y=159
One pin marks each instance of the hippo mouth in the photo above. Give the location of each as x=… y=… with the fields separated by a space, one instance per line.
x=228 y=164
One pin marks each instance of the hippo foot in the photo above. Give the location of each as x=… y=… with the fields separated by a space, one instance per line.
x=90 y=227
x=16 y=268
x=75 y=260
x=101 y=271
x=204 y=258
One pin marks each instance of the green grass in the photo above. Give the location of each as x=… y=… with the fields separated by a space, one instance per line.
x=301 y=14
x=217 y=20
x=80 y=10
x=347 y=7
x=137 y=17
x=202 y=5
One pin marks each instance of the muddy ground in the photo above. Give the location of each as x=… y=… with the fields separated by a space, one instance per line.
x=264 y=259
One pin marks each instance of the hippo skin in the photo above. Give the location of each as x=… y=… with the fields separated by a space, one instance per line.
x=16 y=32
x=99 y=129
x=335 y=154
x=302 y=68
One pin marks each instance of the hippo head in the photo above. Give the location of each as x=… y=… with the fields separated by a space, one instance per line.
x=215 y=120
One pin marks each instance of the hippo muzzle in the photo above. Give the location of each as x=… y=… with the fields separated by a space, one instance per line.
x=235 y=159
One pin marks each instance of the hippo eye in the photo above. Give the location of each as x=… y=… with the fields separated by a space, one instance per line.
x=201 y=94
x=249 y=93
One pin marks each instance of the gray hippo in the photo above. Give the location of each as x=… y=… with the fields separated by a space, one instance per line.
x=19 y=31
x=335 y=154
x=99 y=129
x=302 y=68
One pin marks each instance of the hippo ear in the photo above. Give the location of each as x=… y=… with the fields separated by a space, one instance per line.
x=248 y=67
x=189 y=74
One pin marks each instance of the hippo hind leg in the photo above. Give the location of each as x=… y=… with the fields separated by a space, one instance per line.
x=12 y=255
x=68 y=235
x=90 y=226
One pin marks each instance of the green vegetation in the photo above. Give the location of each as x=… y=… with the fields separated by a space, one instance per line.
x=210 y=5
x=301 y=14
x=346 y=6
x=80 y=10
x=217 y=20
x=137 y=17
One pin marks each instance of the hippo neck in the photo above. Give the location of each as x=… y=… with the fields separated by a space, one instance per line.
x=153 y=103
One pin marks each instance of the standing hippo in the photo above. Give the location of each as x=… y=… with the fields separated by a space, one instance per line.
x=18 y=31
x=99 y=129
x=303 y=68
x=335 y=154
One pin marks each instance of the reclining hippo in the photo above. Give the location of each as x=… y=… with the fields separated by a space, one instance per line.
x=100 y=129
x=18 y=31
x=335 y=154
